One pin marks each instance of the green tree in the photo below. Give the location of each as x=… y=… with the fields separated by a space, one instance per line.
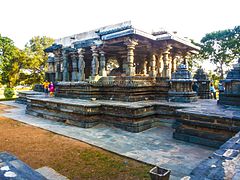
x=37 y=58
x=11 y=61
x=221 y=47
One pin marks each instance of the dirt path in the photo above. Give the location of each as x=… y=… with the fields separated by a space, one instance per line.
x=72 y=158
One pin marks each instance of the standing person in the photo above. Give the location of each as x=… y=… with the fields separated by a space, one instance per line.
x=220 y=87
x=51 y=89
x=213 y=91
x=45 y=87
x=195 y=87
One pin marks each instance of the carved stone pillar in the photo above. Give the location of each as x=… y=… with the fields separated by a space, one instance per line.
x=145 y=67
x=186 y=57
x=166 y=52
x=74 y=67
x=95 y=62
x=153 y=72
x=81 y=65
x=57 y=60
x=170 y=65
x=57 y=67
x=128 y=65
x=51 y=67
x=159 y=65
x=50 y=74
x=102 y=70
x=65 y=66
x=174 y=63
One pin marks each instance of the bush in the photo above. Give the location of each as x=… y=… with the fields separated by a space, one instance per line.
x=8 y=92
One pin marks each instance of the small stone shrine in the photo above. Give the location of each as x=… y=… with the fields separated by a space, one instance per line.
x=231 y=95
x=203 y=84
x=181 y=86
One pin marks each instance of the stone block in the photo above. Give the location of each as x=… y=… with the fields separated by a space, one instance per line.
x=13 y=168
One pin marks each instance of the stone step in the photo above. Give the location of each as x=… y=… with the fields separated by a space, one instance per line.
x=210 y=125
x=50 y=174
x=221 y=136
x=197 y=140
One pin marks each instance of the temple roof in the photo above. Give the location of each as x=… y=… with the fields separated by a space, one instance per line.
x=106 y=33
x=53 y=47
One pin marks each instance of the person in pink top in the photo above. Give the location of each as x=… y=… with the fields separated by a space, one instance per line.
x=51 y=89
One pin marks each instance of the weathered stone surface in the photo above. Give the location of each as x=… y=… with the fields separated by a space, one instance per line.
x=231 y=95
x=203 y=84
x=116 y=88
x=12 y=168
x=76 y=112
x=213 y=124
x=181 y=88
x=222 y=164
x=202 y=123
x=140 y=61
x=22 y=96
x=50 y=174
x=38 y=88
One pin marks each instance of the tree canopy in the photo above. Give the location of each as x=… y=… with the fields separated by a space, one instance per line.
x=221 y=47
x=27 y=65
x=12 y=60
x=37 y=58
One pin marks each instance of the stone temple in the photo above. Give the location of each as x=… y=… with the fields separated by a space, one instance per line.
x=123 y=77
x=117 y=62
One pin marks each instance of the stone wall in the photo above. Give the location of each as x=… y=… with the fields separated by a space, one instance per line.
x=205 y=129
x=222 y=164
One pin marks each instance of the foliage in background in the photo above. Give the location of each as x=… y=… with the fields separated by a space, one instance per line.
x=8 y=92
x=221 y=47
x=12 y=60
x=36 y=64
x=23 y=66
x=195 y=61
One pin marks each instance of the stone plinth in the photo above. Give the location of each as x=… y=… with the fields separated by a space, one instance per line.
x=127 y=88
x=203 y=84
x=202 y=122
x=231 y=96
x=181 y=86
x=86 y=114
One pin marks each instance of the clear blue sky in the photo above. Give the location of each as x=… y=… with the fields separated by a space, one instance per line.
x=21 y=20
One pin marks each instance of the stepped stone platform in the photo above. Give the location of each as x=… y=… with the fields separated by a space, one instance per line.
x=203 y=122
x=154 y=146
x=207 y=123
x=130 y=116
x=22 y=96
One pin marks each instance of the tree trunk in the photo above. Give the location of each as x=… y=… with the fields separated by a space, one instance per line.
x=221 y=70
